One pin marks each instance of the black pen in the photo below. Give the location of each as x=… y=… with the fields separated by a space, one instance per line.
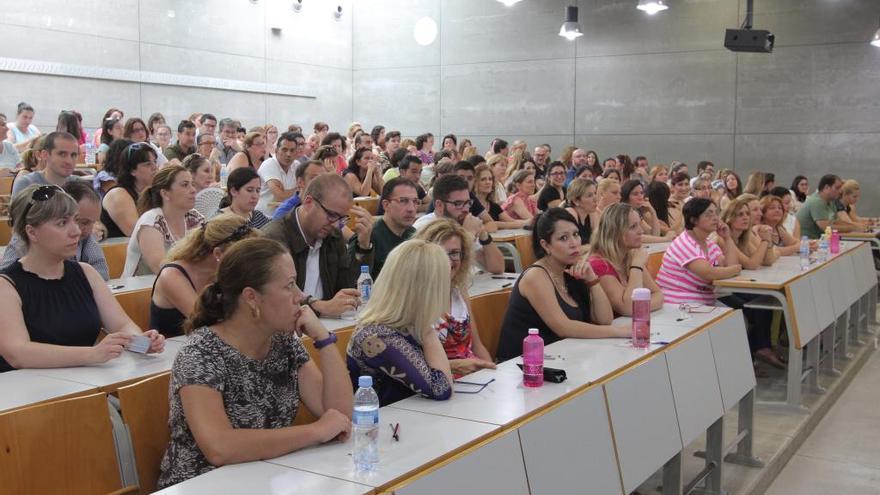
x=498 y=277
x=395 y=428
x=506 y=285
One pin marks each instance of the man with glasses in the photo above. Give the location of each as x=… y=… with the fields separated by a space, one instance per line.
x=278 y=173
x=87 y=215
x=326 y=268
x=452 y=199
x=409 y=167
x=60 y=150
x=400 y=200
x=228 y=145
x=208 y=124
x=542 y=159
x=578 y=159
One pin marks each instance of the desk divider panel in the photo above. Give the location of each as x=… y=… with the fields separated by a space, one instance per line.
x=496 y=467
x=697 y=396
x=821 y=283
x=643 y=419
x=863 y=265
x=851 y=292
x=838 y=291
x=733 y=362
x=800 y=299
x=570 y=448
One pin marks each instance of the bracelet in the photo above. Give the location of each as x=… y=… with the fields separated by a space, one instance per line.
x=320 y=344
x=592 y=283
x=487 y=241
x=637 y=268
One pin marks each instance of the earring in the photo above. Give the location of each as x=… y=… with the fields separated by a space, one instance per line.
x=255 y=312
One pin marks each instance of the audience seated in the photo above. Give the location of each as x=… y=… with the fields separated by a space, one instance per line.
x=135 y=172
x=452 y=199
x=668 y=216
x=327 y=267
x=581 y=202
x=772 y=215
x=608 y=191
x=819 y=210
x=185 y=145
x=458 y=330
x=208 y=192
x=59 y=151
x=252 y=155
x=731 y=187
x=279 y=173
x=484 y=190
x=304 y=174
x=88 y=251
x=554 y=189
x=242 y=196
x=23 y=133
x=194 y=262
x=54 y=307
x=580 y=308
x=112 y=129
x=751 y=250
x=632 y=192
x=395 y=341
x=399 y=200
x=619 y=260
x=243 y=344
x=10 y=159
x=800 y=188
x=850 y=192
x=520 y=203
x=789 y=220
x=167 y=215
x=693 y=260
x=363 y=175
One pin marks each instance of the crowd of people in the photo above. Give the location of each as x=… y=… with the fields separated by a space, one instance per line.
x=253 y=234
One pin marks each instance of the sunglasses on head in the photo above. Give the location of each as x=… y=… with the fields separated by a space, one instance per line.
x=40 y=194
x=135 y=147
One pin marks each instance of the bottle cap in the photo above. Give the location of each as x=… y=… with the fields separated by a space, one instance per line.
x=365 y=269
x=533 y=331
x=365 y=381
x=641 y=294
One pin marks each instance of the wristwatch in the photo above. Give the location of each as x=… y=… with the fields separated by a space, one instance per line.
x=308 y=301
x=320 y=344
x=359 y=250
x=487 y=241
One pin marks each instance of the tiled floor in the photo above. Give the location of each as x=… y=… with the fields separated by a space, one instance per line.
x=842 y=455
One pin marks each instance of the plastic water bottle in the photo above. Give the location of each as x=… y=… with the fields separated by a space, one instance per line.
x=533 y=359
x=224 y=176
x=365 y=284
x=90 y=152
x=805 y=253
x=365 y=426
x=823 y=244
x=835 y=242
x=641 y=318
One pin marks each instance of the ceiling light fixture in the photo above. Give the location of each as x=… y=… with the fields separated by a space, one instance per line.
x=570 y=28
x=651 y=7
x=508 y=3
x=425 y=31
x=876 y=39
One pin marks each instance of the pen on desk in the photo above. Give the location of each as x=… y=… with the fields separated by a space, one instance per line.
x=506 y=285
x=116 y=287
x=659 y=342
x=498 y=277
x=395 y=428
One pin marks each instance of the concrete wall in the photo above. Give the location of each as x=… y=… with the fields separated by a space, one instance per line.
x=229 y=41
x=662 y=85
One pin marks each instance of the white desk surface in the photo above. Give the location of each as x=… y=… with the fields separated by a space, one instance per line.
x=669 y=315
x=423 y=438
x=784 y=270
x=510 y=234
x=129 y=366
x=259 y=478
x=485 y=283
x=657 y=247
x=24 y=388
x=129 y=284
x=114 y=240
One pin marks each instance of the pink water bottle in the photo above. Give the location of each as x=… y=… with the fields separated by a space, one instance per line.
x=533 y=359
x=641 y=318
x=835 y=242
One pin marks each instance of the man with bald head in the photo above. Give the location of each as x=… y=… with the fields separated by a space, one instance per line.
x=578 y=159
x=326 y=268
x=542 y=158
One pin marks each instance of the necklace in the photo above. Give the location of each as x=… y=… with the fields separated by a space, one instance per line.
x=558 y=282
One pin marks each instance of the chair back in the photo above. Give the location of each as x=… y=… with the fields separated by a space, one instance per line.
x=64 y=446
x=145 y=410
x=343 y=336
x=115 y=253
x=488 y=312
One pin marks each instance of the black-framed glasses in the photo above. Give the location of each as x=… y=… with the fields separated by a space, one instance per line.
x=406 y=201
x=454 y=255
x=472 y=384
x=332 y=216
x=40 y=194
x=460 y=203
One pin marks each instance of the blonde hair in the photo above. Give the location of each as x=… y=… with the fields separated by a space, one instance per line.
x=605 y=184
x=219 y=231
x=406 y=143
x=413 y=291
x=576 y=189
x=657 y=170
x=565 y=158
x=440 y=231
x=850 y=186
x=515 y=162
x=480 y=170
x=754 y=184
x=468 y=152
x=729 y=214
x=607 y=240
x=766 y=201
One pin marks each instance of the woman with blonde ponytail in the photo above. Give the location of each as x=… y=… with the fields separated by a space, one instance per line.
x=238 y=382
x=194 y=263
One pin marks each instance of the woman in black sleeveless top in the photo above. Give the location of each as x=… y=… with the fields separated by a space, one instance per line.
x=193 y=262
x=579 y=309
x=136 y=169
x=54 y=307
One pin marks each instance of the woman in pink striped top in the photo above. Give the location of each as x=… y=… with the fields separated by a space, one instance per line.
x=693 y=261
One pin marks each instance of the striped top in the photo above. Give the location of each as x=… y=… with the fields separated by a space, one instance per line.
x=681 y=285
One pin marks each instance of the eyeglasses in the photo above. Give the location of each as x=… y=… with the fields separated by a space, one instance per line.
x=454 y=255
x=685 y=310
x=460 y=204
x=40 y=194
x=406 y=201
x=556 y=174
x=474 y=384
x=332 y=216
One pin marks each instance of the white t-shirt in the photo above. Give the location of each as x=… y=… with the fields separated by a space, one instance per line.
x=9 y=157
x=271 y=170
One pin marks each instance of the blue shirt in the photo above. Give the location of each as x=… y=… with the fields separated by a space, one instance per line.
x=288 y=204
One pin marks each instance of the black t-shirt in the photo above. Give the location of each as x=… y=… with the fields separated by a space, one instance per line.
x=383 y=242
x=547 y=195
